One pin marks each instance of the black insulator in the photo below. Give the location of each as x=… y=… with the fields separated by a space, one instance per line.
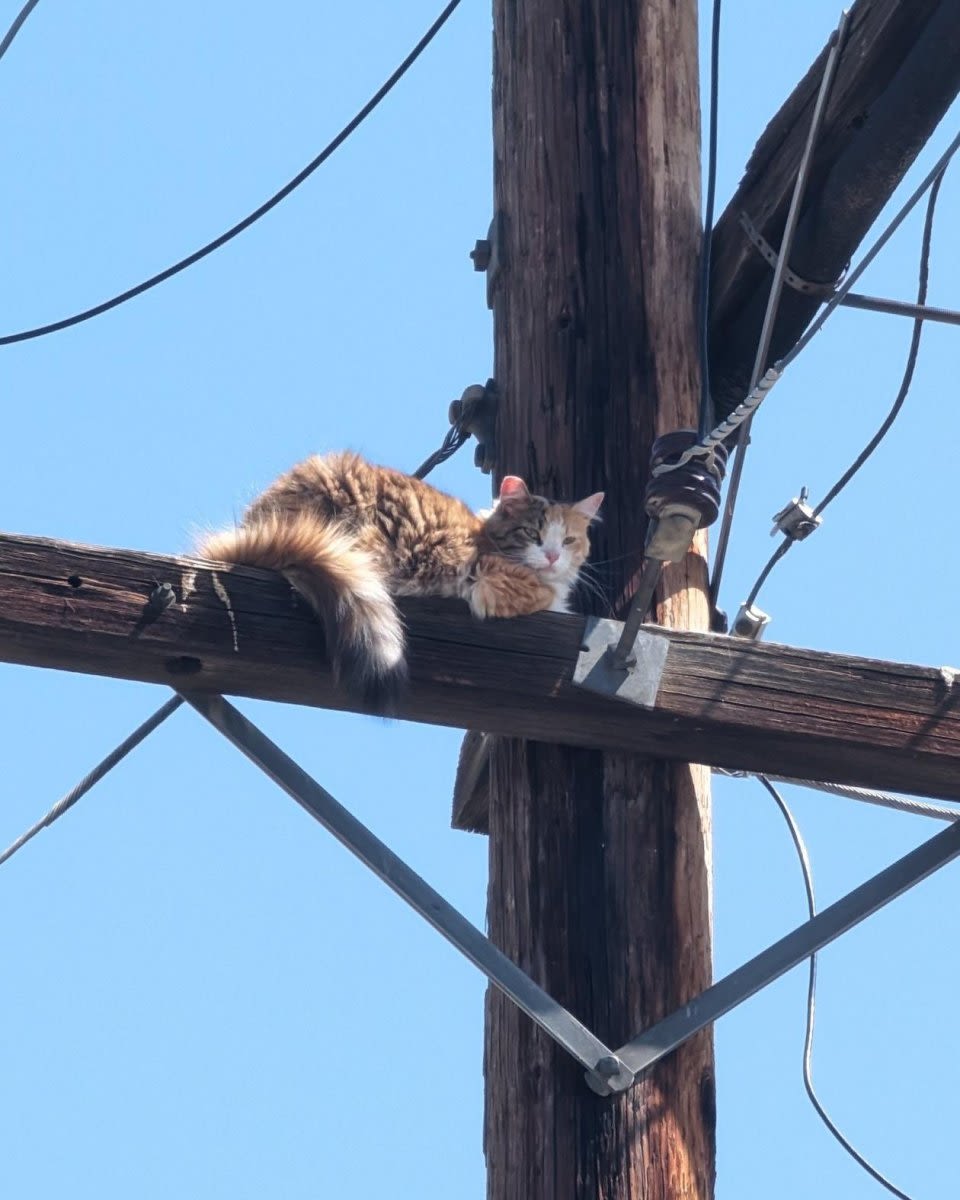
x=696 y=483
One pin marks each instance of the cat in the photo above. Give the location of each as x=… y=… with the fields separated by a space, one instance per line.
x=350 y=536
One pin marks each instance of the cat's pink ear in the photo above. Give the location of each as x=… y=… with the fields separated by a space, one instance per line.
x=513 y=488
x=589 y=507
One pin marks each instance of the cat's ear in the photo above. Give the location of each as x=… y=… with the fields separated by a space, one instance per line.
x=513 y=490
x=589 y=507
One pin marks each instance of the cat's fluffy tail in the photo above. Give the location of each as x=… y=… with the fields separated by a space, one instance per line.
x=340 y=582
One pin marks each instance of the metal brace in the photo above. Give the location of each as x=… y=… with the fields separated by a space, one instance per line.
x=603 y=1068
x=823 y=291
x=661 y=1039
x=607 y=1071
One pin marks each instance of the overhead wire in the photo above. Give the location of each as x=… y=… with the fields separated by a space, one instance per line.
x=456 y=437
x=804 y=858
x=905 y=804
x=744 y=411
x=17 y=25
x=105 y=765
x=707 y=416
x=901 y=396
x=742 y=440
x=169 y=272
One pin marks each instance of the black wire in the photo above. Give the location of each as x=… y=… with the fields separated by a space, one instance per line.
x=811 y=1000
x=18 y=21
x=87 y=782
x=902 y=393
x=771 y=563
x=308 y=170
x=707 y=415
x=911 y=357
x=455 y=438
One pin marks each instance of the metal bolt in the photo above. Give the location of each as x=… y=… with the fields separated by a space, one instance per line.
x=161 y=598
x=608 y=1067
x=481 y=254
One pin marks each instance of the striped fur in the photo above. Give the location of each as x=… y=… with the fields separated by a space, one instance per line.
x=341 y=583
x=350 y=536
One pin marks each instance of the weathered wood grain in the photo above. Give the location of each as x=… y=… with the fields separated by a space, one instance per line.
x=722 y=701
x=599 y=862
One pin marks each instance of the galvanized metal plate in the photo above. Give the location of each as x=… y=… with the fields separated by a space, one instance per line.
x=638 y=683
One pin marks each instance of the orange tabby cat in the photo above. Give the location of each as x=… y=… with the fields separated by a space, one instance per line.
x=349 y=536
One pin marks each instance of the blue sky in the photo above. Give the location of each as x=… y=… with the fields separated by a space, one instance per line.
x=203 y=993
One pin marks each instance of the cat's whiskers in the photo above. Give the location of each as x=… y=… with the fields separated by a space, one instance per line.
x=594 y=587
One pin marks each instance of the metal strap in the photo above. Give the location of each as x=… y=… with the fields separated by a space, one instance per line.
x=797 y=282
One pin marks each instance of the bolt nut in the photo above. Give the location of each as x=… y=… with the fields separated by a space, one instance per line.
x=480 y=254
x=161 y=598
x=608 y=1067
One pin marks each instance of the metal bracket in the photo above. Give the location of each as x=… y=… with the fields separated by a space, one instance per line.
x=821 y=290
x=636 y=680
x=661 y=1039
x=488 y=255
x=826 y=291
x=604 y=1069
x=796 y=519
x=476 y=413
x=750 y=622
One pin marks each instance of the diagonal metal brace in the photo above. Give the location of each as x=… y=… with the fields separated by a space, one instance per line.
x=661 y=1039
x=601 y=1063
x=607 y=1072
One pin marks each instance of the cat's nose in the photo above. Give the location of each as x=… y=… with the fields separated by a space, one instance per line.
x=551 y=556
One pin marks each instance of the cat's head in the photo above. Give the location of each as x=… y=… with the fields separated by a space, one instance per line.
x=550 y=538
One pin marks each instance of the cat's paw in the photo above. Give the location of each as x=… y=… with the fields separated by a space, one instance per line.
x=483 y=599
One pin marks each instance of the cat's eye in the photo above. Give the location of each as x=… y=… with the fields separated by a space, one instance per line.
x=534 y=536
x=569 y=541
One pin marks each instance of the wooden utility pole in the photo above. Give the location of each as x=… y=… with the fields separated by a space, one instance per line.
x=599 y=862
x=599 y=858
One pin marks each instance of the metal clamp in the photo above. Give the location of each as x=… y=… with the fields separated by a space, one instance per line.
x=796 y=519
x=476 y=414
x=822 y=291
x=750 y=622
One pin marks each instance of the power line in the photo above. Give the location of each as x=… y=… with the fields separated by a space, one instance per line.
x=822 y=1113
x=707 y=415
x=162 y=276
x=781 y=266
x=749 y=405
x=107 y=764
x=18 y=21
x=902 y=393
x=456 y=437
x=906 y=804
